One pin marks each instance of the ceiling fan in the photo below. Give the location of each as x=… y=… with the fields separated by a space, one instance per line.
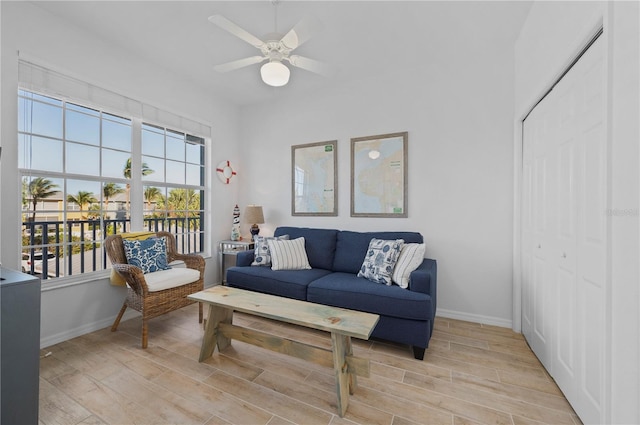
x=276 y=49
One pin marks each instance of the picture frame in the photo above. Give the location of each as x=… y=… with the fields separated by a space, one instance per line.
x=379 y=175
x=314 y=179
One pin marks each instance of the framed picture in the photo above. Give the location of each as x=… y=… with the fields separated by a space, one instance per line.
x=314 y=179
x=379 y=175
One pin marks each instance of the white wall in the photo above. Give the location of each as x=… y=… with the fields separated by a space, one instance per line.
x=76 y=309
x=624 y=20
x=552 y=35
x=457 y=108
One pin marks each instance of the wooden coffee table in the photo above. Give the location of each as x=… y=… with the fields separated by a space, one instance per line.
x=341 y=323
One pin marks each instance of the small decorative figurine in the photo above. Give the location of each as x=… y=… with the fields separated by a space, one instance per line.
x=235 y=228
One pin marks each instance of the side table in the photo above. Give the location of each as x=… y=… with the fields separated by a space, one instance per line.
x=230 y=248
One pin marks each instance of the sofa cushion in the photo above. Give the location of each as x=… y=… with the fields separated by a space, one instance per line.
x=351 y=247
x=320 y=244
x=285 y=283
x=411 y=256
x=380 y=260
x=262 y=255
x=288 y=255
x=349 y=291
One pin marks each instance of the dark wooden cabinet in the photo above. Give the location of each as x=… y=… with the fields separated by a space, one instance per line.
x=19 y=347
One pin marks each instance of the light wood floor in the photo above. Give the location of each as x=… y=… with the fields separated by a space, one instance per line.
x=471 y=374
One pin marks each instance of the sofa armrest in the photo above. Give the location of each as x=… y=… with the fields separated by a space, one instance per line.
x=244 y=258
x=424 y=278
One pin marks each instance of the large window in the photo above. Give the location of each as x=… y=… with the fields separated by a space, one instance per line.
x=78 y=171
x=173 y=177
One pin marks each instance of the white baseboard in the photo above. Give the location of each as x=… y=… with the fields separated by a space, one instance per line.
x=476 y=318
x=107 y=322
x=84 y=329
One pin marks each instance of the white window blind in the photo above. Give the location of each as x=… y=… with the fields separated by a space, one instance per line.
x=74 y=139
x=43 y=78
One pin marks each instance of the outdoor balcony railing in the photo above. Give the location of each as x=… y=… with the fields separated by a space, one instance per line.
x=46 y=253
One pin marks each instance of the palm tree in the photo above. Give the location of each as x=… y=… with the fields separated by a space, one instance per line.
x=94 y=212
x=25 y=193
x=40 y=188
x=182 y=203
x=151 y=194
x=109 y=190
x=82 y=198
x=126 y=171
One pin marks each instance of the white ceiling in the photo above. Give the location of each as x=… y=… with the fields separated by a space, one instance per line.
x=359 y=38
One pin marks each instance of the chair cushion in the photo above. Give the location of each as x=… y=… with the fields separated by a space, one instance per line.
x=116 y=280
x=150 y=255
x=170 y=278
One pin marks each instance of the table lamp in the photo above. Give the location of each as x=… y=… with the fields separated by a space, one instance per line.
x=253 y=214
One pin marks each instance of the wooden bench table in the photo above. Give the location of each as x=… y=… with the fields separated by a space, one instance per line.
x=341 y=323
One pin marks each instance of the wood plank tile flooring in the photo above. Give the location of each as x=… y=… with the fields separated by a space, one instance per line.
x=471 y=374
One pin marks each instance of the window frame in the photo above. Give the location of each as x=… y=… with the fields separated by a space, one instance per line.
x=137 y=204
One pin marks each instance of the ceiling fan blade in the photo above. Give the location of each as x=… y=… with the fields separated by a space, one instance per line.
x=241 y=63
x=301 y=32
x=234 y=29
x=311 y=65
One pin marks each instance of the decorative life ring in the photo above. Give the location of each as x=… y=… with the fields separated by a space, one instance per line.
x=225 y=172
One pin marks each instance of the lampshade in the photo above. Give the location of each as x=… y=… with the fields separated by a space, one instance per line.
x=275 y=74
x=253 y=214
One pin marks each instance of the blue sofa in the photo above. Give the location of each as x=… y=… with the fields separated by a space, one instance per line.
x=406 y=315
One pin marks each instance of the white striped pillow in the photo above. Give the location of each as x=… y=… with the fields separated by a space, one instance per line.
x=410 y=258
x=288 y=255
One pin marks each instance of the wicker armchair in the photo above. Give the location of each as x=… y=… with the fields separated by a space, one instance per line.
x=153 y=303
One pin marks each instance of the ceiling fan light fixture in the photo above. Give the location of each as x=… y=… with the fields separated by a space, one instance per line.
x=275 y=73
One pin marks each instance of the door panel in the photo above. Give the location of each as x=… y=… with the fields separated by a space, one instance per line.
x=593 y=175
x=567 y=365
x=565 y=233
x=565 y=354
x=527 y=242
x=592 y=357
x=541 y=314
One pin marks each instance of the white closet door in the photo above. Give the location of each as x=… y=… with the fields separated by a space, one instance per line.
x=568 y=250
x=592 y=247
x=527 y=231
x=537 y=316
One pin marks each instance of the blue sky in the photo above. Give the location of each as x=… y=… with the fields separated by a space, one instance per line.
x=98 y=145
